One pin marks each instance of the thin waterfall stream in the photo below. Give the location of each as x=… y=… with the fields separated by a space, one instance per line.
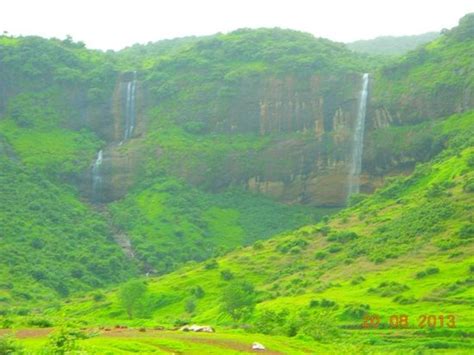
x=358 y=140
x=130 y=107
x=129 y=114
x=97 y=177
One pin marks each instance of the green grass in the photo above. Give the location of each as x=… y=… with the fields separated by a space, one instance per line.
x=170 y=222
x=400 y=231
x=56 y=152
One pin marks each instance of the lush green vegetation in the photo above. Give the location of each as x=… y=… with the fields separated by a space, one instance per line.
x=51 y=243
x=404 y=250
x=170 y=222
x=432 y=81
x=189 y=243
x=389 y=45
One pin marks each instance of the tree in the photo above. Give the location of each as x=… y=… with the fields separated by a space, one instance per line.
x=238 y=299
x=131 y=296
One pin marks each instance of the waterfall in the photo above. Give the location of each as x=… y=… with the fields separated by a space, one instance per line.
x=358 y=139
x=130 y=107
x=97 y=178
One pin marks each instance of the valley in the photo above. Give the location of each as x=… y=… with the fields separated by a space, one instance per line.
x=278 y=187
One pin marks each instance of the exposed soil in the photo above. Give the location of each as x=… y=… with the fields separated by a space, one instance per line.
x=187 y=337
x=27 y=333
x=150 y=333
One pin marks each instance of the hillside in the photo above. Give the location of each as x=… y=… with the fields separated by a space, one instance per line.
x=332 y=274
x=432 y=81
x=57 y=110
x=390 y=45
x=51 y=243
x=277 y=186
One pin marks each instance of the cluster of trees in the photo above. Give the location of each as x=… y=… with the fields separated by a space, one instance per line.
x=171 y=222
x=51 y=243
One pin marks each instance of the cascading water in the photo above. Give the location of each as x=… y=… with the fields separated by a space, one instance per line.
x=97 y=177
x=130 y=107
x=358 y=139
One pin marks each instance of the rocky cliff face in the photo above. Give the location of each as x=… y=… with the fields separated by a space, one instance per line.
x=310 y=119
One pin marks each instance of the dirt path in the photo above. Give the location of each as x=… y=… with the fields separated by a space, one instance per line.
x=27 y=333
x=208 y=339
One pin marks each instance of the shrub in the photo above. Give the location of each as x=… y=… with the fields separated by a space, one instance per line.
x=355 y=199
x=320 y=255
x=439 y=189
x=180 y=322
x=211 y=264
x=470 y=160
x=466 y=231
x=325 y=230
x=227 y=275
x=40 y=323
x=132 y=295
x=334 y=249
x=389 y=288
x=293 y=246
x=343 y=237
x=427 y=272
x=197 y=291
x=271 y=322
x=98 y=296
x=258 y=246
x=6 y=323
x=405 y=300
x=319 y=325
x=195 y=127
x=327 y=303
x=357 y=280
x=9 y=345
x=238 y=299
x=190 y=305
x=355 y=311
x=469 y=185
x=64 y=341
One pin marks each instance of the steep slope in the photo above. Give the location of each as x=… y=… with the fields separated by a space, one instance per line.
x=407 y=249
x=390 y=45
x=64 y=104
x=435 y=80
x=171 y=222
x=51 y=244
x=238 y=109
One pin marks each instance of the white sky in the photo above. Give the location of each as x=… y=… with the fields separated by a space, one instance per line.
x=109 y=24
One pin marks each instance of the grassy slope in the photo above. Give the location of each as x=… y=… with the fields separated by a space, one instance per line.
x=170 y=222
x=413 y=224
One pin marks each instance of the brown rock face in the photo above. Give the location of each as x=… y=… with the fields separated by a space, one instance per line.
x=310 y=119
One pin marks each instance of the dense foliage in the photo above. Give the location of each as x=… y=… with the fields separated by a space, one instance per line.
x=435 y=80
x=51 y=244
x=176 y=245
x=404 y=250
x=390 y=45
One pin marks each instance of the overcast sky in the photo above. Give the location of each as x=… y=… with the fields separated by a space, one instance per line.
x=114 y=24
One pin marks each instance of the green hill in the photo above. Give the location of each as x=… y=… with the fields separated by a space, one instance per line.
x=432 y=81
x=205 y=180
x=51 y=244
x=390 y=45
x=406 y=250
